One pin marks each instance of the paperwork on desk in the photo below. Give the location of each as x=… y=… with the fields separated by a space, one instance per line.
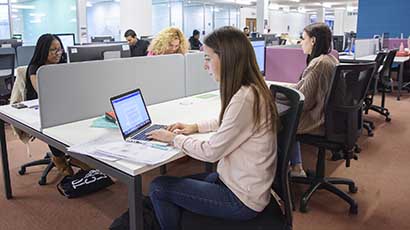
x=113 y=148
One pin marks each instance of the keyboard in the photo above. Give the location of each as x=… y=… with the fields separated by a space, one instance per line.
x=142 y=135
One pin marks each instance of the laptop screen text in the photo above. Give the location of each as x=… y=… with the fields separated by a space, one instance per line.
x=131 y=113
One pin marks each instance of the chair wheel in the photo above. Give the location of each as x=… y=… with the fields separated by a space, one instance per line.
x=370 y=134
x=354 y=210
x=22 y=171
x=372 y=126
x=353 y=189
x=42 y=181
x=302 y=209
x=388 y=119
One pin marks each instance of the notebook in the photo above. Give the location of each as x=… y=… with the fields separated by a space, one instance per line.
x=132 y=116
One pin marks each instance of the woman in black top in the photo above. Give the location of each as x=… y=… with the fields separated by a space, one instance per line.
x=49 y=50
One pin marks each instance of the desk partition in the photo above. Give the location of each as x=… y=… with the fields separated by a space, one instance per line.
x=197 y=79
x=77 y=91
x=24 y=55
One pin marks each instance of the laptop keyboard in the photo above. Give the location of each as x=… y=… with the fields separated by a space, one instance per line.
x=142 y=135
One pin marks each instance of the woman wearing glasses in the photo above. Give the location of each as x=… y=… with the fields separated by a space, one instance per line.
x=48 y=51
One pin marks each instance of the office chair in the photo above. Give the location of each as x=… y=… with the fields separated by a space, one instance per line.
x=343 y=125
x=6 y=76
x=368 y=101
x=272 y=217
x=383 y=84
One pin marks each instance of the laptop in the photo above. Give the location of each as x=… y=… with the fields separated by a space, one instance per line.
x=132 y=116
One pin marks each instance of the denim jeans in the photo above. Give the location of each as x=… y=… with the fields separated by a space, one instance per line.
x=203 y=194
x=296 y=155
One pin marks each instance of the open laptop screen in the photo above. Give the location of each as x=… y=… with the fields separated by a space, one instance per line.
x=131 y=112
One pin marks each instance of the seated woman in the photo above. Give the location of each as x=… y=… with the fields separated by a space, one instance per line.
x=169 y=41
x=315 y=84
x=49 y=50
x=244 y=142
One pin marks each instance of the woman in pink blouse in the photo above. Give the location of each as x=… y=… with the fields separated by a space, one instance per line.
x=244 y=143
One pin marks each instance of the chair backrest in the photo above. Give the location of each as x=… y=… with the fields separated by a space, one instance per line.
x=7 y=63
x=343 y=110
x=285 y=139
x=384 y=73
x=379 y=63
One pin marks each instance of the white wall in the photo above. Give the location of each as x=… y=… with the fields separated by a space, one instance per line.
x=280 y=20
x=104 y=19
x=344 y=22
x=246 y=12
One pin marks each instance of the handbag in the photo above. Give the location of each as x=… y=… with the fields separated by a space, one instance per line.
x=83 y=182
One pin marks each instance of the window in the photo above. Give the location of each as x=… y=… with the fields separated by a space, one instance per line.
x=35 y=17
x=4 y=20
x=103 y=18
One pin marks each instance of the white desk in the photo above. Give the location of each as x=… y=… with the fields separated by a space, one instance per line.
x=191 y=109
x=398 y=60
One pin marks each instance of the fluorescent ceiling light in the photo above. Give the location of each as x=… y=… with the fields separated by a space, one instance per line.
x=294 y=0
x=327 y=5
x=24 y=7
x=89 y=4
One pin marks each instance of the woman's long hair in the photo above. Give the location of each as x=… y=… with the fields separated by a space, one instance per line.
x=239 y=68
x=323 y=36
x=41 y=51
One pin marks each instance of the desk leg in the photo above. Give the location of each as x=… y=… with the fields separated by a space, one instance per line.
x=5 y=161
x=135 y=203
x=400 y=81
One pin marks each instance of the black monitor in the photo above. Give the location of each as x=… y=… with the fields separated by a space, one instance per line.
x=10 y=43
x=98 y=52
x=338 y=42
x=270 y=39
x=259 y=48
x=102 y=39
x=68 y=39
x=385 y=40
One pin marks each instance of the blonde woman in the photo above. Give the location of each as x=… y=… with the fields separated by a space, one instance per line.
x=169 y=41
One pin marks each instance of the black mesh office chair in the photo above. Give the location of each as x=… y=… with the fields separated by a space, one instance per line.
x=343 y=125
x=45 y=161
x=272 y=217
x=368 y=101
x=6 y=76
x=384 y=84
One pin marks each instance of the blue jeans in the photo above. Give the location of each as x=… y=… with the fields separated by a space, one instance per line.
x=296 y=155
x=203 y=194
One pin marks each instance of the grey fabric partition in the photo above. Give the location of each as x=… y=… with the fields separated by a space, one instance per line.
x=24 y=55
x=197 y=79
x=77 y=91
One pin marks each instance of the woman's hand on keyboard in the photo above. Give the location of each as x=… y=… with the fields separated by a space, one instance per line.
x=161 y=135
x=180 y=128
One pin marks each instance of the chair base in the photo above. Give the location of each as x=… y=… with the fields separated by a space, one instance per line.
x=317 y=183
x=45 y=161
x=382 y=111
x=369 y=126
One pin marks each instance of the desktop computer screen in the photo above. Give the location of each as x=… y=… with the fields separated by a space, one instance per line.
x=338 y=42
x=10 y=43
x=67 y=40
x=102 y=38
x=259 y=48
x=98 y=52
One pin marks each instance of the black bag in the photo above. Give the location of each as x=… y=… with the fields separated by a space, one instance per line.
x=150 y=220
x=83 y=183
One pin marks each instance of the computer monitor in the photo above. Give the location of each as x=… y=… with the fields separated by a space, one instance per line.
x=338 y=42
x=270 y=39
x=385 y=40
x=259 y=48
x=67 y=39
x=10 y=43
x=97 y=52
x=102 y=38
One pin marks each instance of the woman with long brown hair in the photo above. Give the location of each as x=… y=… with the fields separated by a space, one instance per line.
x=244 y=142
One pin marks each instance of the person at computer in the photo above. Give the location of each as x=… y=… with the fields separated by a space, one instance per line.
x=244 y=142
x=315 y=84
x=246 y=31
x=169 y=41
x=194 y=41
x=138 y=47
x=49 y=50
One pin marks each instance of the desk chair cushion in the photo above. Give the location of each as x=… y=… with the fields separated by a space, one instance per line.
x=271 y=218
